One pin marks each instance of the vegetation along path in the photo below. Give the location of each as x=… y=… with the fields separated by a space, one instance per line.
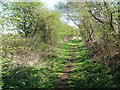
x=69 y=67
x=80 y=71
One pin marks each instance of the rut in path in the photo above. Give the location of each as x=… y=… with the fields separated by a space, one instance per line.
x=67 y=69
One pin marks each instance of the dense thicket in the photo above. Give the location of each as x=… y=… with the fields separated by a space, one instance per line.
x=98 y=25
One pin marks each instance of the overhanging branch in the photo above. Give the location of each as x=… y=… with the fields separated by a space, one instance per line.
x=73 y=21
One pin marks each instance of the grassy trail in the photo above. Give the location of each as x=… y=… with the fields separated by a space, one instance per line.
x=80 y=72
x=67 y=69
x=70 y=67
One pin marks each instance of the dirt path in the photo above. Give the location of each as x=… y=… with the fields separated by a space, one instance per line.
x=67 y=69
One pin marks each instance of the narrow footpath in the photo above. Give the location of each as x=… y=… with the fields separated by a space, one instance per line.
x=67 y=69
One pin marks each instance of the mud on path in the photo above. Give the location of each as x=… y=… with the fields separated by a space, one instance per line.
x=67 y=69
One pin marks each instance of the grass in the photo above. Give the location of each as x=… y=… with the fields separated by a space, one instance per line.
x=87 y=74
x=46 y=73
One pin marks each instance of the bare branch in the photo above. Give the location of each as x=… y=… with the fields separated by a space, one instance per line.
x=73 y=21
x=95 y=17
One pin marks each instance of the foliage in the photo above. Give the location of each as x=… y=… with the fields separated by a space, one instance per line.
x=20 y=16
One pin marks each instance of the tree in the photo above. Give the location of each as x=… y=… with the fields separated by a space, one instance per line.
x=21 y=16
x=98 y=26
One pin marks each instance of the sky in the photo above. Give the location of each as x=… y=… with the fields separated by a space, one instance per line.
x=50 y=5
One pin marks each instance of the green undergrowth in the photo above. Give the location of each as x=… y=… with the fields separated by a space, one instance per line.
x=46 y=73
x=31 y=77
x=43 y=74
